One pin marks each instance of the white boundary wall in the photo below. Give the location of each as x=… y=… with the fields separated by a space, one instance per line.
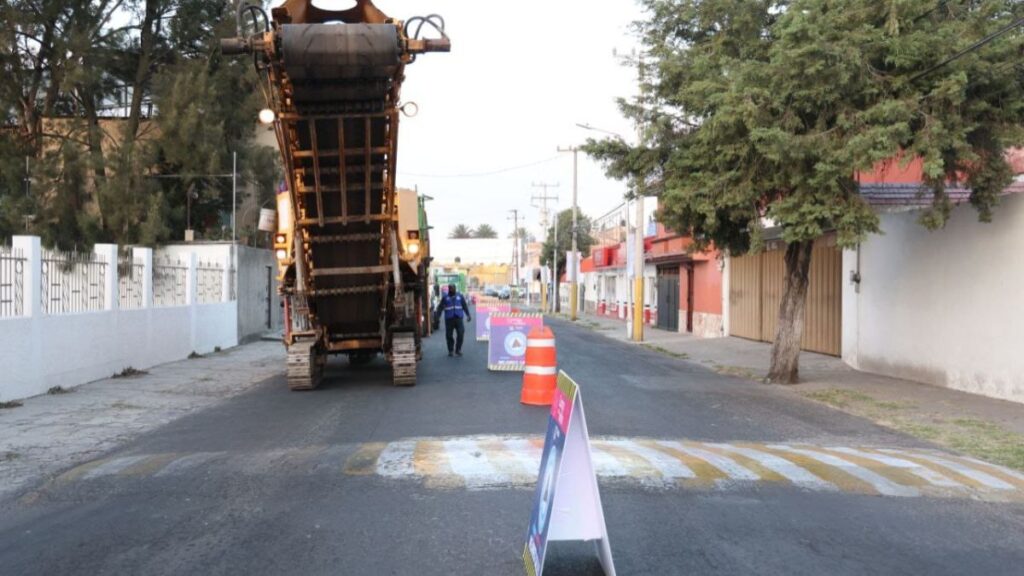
x=944 y=307
x=39 y=351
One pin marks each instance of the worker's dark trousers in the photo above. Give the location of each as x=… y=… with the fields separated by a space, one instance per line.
x=454 y=325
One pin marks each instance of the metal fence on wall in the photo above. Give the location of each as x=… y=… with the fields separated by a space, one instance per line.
x=210 y=282
x=129 y=283
x=12 y=282
x=170 y=283
x=72 y=282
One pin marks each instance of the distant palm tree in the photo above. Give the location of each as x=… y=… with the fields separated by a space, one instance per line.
x=524 y=235
x=485 y=231
x=461 y=232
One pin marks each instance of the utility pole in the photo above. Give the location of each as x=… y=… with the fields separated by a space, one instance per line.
x=638 y=240
x=515 y=248
x=234 y=195
x=540 y=201
x=574 y=281
x=554 y=265
x=543 y=200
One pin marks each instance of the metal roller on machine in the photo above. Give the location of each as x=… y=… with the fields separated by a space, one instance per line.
x=353 y=251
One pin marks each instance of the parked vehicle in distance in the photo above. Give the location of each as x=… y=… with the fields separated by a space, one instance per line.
x=504 y=293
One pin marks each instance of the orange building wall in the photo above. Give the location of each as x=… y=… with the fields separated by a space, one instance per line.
x=707 y=287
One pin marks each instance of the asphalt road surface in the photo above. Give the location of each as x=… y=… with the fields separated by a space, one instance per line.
x=700 y=474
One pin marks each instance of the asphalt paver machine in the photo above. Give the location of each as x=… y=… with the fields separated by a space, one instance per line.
x=351 y=247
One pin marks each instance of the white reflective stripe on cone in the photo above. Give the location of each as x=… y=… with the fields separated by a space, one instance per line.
x=546 y=343
x=542 y=370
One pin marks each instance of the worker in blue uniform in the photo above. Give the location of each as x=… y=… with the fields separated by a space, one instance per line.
x=454 y=307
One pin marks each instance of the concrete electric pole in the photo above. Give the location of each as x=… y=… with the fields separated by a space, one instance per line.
x=516 y=246
x=573 y=280
x=541 y=201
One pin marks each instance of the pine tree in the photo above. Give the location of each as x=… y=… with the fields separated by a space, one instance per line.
x=758 y=111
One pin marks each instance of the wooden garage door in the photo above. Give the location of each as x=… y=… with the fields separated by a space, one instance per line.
x=755 y=293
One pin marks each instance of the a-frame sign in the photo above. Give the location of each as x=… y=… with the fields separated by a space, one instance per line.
x=567 y=503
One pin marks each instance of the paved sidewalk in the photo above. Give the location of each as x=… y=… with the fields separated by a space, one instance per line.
x=52 y=432
x=963 y=421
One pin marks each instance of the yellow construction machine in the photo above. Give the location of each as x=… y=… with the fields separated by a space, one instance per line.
x=353 y=250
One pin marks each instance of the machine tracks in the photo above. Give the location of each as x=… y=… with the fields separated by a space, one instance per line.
x=305 y=365
x=403 y=359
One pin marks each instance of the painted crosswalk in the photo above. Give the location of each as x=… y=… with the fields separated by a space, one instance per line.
x=488 y=462
x=498 y=462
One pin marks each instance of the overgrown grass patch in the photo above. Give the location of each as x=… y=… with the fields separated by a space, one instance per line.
x=979 y=438
x=736 y=372
x=667 y=352
x=838 y=397
x=130 y=372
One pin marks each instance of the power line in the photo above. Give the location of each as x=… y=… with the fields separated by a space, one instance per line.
x=971 y=48
x=480 y=174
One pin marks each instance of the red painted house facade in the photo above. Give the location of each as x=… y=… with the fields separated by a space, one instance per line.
x=683 y=290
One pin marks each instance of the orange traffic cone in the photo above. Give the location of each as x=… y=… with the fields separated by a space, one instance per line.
x=541 y=368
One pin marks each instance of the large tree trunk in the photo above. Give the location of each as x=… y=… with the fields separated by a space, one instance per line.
x=147 y=42
x=97 y=159
x=785 y=366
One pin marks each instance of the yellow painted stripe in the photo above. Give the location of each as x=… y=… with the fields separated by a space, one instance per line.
x=431 y=462
x=364 y=461
x=948 y=472
x=149 y=465
x=1009 y=476
x=79 y=471
x=706 y=473
x=842 y=480
x=900 y=476
x=637 y=466
x=504 y=461
x=766 y=474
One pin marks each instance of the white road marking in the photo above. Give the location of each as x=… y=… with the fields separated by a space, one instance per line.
x=185 y=462
x=527 y=453
x=927 y=474
x=781 y=466
x=730 y=467
x=606 y=464
x=113 y=467
x=1009 y=472
x=396 y=460
x=468 y=460
x=880 y=483
x=976 y=475
x=484 y=462
x=668 y=466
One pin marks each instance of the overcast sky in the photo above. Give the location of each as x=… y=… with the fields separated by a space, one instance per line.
x=518 y=79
